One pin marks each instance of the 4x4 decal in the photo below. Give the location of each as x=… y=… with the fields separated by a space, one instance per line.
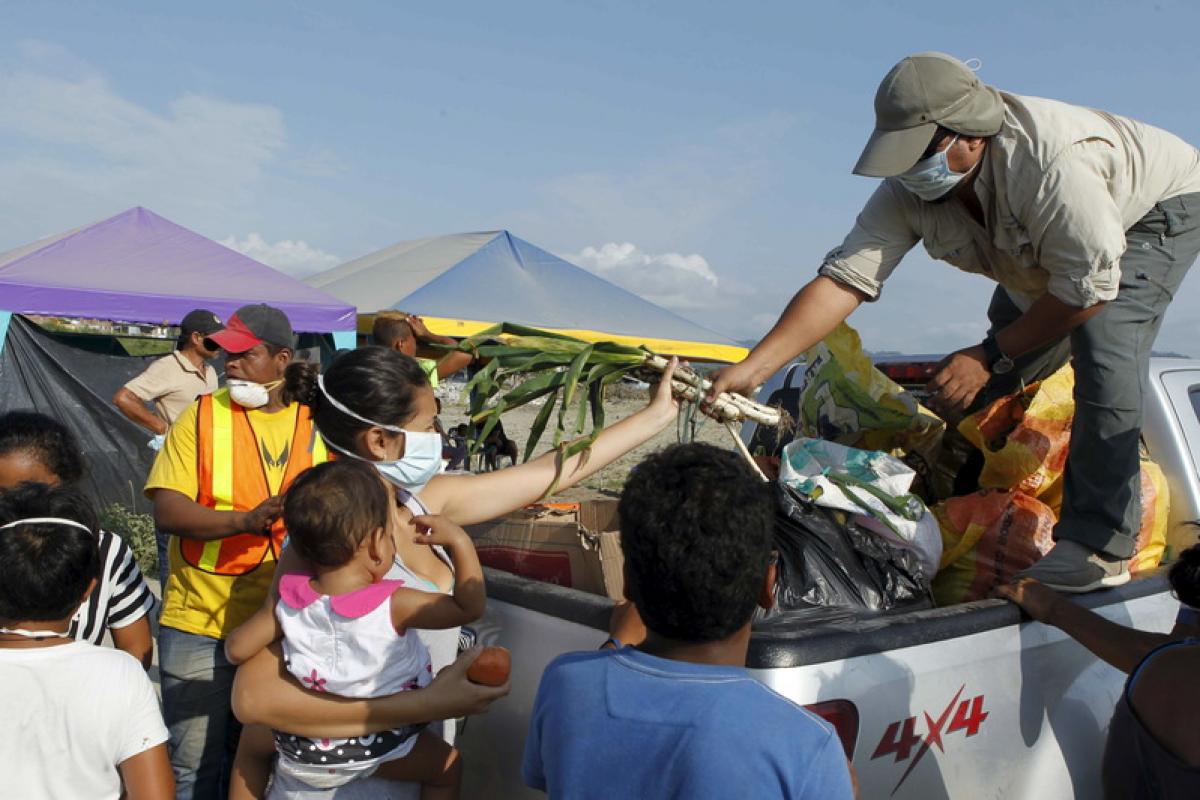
x=901 y=736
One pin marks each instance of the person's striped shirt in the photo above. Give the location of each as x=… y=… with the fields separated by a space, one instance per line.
x=121 y=596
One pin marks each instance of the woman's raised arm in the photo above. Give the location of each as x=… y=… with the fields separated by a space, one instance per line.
x=469 y=499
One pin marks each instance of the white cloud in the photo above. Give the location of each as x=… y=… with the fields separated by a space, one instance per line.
x=685 y=283
x=296 y=257
x=79 y=150
x=677 y=281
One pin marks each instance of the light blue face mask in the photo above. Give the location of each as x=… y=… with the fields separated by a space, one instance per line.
x=932 y=179
x=422 y=459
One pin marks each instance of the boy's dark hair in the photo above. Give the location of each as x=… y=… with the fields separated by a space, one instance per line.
x=331 y=508
x=44 y=437
x=45 y=567
x=391 y=327
x=696 y=527
x=1185 y=577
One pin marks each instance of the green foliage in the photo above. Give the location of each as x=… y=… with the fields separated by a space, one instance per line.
x=138 y=532
x=559 y=368
x=141 y=346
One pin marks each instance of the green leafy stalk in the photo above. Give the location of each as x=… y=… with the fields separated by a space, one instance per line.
x=569 y=386
x=539 y=425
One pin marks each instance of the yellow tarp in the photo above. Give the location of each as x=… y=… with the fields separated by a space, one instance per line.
x=696 y=351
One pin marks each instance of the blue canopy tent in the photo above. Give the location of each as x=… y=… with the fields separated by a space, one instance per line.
x=463 y=283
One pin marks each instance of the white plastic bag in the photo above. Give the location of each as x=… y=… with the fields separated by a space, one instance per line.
x=869 y=484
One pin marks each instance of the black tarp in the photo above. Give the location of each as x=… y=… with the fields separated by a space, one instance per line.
x=64 y=378
x=73 y=378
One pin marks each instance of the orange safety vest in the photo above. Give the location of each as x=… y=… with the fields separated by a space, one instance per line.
x=231 y=477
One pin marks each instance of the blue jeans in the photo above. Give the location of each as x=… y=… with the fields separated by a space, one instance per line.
x=162 y=542
x=197 y=682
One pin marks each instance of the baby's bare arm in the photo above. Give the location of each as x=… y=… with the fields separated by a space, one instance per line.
x=254 y=635
x=432 y=611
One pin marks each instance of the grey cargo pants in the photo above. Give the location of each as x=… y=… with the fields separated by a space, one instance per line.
x=1111 y=356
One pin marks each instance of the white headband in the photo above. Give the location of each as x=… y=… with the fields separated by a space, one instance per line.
x=333 y=401
x=46 y=521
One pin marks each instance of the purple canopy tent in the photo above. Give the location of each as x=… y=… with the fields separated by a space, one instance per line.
x=135 y=267
x=139 y=267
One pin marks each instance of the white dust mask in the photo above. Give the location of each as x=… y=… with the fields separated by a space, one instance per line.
x=249 y=394
x=931 y=178
x=422 y=458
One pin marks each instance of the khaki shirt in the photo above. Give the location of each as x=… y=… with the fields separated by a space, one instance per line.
x=1059 y=186
x=171 y=383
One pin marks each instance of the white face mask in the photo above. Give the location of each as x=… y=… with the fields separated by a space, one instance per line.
x=249 y=394
x=37 y=636
x=422 y=459
x=932 y=178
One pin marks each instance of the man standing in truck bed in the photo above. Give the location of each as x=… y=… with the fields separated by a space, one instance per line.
x=1087 y=220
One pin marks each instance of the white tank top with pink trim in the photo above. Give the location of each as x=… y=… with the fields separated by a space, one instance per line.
x=346 y=644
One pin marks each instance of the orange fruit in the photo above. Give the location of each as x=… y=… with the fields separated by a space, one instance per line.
x=491 y=668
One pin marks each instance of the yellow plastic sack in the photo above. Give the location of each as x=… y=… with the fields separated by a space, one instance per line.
x=844 y=399
x=1156 y=508
x=1025 y=438
x=987 y=538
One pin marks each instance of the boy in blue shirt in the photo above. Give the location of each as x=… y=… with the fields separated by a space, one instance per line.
x=678 y=716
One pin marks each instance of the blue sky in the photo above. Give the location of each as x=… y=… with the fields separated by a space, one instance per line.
x=698 y=153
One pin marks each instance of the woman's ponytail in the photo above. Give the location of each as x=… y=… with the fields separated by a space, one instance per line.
x=300 y=383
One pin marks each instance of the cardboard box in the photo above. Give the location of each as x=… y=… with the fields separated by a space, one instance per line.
x=569 y=544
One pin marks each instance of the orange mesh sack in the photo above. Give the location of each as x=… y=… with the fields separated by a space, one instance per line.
x=1025 y=438
x=988 y=537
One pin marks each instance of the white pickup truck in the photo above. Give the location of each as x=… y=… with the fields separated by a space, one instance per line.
x=968 y=701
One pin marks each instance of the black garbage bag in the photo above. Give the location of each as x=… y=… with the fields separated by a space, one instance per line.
x=770 y=441
x=826 y=561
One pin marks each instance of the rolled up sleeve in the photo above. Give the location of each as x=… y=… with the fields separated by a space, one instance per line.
x=882 y=235
x=1076 y=227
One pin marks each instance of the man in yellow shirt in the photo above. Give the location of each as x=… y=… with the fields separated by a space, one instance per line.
x=216 y=487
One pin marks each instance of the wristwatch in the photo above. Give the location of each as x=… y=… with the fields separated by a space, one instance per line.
x=997 y=362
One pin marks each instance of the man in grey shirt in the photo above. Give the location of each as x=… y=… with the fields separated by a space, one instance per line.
x=1087 y=221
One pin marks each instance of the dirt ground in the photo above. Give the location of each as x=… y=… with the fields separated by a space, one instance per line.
x=609 y=480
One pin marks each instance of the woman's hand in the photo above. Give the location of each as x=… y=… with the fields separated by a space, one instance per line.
x=1036 y=599
x=456 y=696
x=663 y=403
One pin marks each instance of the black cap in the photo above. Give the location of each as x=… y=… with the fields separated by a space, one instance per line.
x=252 y=325
x=201 y=320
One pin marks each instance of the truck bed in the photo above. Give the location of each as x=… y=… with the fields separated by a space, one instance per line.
x=805 y=638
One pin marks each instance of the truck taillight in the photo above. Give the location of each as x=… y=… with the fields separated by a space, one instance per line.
x=908 y=372
x=843 y=716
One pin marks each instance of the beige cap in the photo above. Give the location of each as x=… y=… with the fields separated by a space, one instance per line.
x=918 y=94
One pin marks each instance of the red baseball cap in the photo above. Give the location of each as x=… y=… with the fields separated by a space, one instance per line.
x=253 y=325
